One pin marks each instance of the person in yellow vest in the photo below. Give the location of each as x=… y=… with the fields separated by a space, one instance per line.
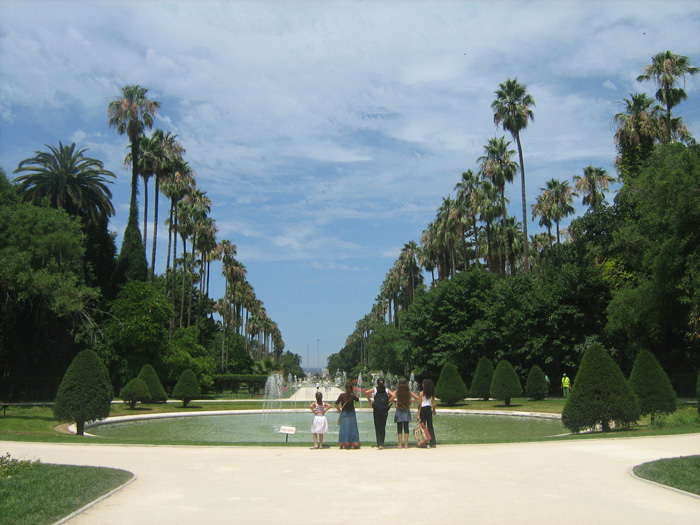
x=565 y=386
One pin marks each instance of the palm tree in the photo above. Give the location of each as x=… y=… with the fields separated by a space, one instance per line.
x=666 y=70
x=68 y=180
x=543 y=209
x=560 y=196
x=160 y=154
x=130 y=114
x=486 y=205
x=498 y=167
x=512 y=109
x=593 y=185
x=466 y=190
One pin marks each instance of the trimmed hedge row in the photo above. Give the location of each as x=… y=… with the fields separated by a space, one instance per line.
x=255 y=383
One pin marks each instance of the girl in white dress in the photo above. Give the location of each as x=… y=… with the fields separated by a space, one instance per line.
x=320 y=423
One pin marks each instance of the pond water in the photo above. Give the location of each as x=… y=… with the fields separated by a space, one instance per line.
x=265 y=428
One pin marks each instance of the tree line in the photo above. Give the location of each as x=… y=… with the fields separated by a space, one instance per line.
x=624 y=274
x=65 y=287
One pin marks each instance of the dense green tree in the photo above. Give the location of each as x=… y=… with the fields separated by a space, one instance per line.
x=137 y=333
x=483 y=376
x=185 y=353
x=697 y=391
x=85 y=393
x=290 y=363
x=651 y=385
x=384 y=348
x=450 y=387
x=536 y=387
x=512 y=109
x=187 y=387
x=46 y=303
x=156 y=391
x=505 y=384
x=600 y=394
x=68 y=180
x=638 y=129
x=135 y=391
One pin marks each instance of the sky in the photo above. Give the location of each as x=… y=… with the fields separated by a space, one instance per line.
x=327 y=134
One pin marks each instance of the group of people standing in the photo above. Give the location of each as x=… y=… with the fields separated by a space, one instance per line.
x=381 y=399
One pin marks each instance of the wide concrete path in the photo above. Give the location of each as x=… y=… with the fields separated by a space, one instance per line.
x=583 y=481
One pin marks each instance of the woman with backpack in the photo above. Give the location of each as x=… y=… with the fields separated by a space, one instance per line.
x=404 y=397
x=348 y=435
x=378 y=398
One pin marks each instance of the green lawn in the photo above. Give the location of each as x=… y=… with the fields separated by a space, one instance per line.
x=681 y=473
x=45 y=493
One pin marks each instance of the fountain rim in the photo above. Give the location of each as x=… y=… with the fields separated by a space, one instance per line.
x=139 y=417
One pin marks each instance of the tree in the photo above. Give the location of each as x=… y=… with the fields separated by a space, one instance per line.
x=697 y=391
x=560 y=196
x=483 y=376
x=135 y=391
x=185 y=353
x=498 y=168
x=85 y=394
x=593 y=185
x=130 y=114
x=505 y=384
x=666 y=70
x=68 y=180
x=149 y=376
x=450 y=387
x=649 y=381
x=512 y=110
x=187 y=388
x=536 y=387
x=600 y=394
x=639 y=127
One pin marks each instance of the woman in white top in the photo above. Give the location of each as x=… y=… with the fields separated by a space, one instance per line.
x=427 y=408
x=320 y=423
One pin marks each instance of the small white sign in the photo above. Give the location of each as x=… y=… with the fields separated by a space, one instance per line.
x=288 y=430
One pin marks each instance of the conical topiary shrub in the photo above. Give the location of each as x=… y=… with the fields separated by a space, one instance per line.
x=155 y=388
x=600 y=394
x=652 y=386
x=187 y=387
x=134 y=391
x=450 y=387
x=536 y=386
x=481 y=383
x=505 y=384
x=85 y=393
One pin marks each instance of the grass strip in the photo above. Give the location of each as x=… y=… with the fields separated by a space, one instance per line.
x=681 y=473
x=46 y=493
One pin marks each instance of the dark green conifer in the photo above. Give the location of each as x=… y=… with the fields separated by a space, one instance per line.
x=481 y=383
x=135 y=391
x=149 y=376
x=450 y=387
x=652 y=386
x=600 y=394
x=187 y=387
x=85 y=393
x=506 y=383
x=536 y=386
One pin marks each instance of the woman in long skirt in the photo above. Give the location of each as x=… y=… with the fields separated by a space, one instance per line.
x=348 y=436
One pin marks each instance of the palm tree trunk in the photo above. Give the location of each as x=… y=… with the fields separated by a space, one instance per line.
x=184 y=280
x=145 y=212
x=170 y=241
x=506 y=248
x=155 y=230
x=526 y=251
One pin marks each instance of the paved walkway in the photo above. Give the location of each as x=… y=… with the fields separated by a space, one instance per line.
x=582 y=481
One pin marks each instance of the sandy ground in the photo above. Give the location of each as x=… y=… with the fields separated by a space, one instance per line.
x=584 y=481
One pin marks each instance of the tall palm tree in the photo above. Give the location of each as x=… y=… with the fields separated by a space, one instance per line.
x=666 y=69
x=593 y=185
x=130 y=114
x=161 y=154
x=543 y=209
x=466 y=189
x=512 y=110
x=69 y=180
x=486 y=204
x=498 y=168
x=560 y=195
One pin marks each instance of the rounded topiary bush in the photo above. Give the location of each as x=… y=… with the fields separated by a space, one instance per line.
x=481 y=383
x=536 y=386
x=505 y=384
x=155 y=388
x=652 y=386
x=134 y=391
x=450 y=387
x=85 y=393
x=600 y=394
x=187 y=387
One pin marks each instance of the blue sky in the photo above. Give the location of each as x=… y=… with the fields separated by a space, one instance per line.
x=328 y=133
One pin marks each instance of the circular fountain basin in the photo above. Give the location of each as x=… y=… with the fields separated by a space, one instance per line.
x=262 y=427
